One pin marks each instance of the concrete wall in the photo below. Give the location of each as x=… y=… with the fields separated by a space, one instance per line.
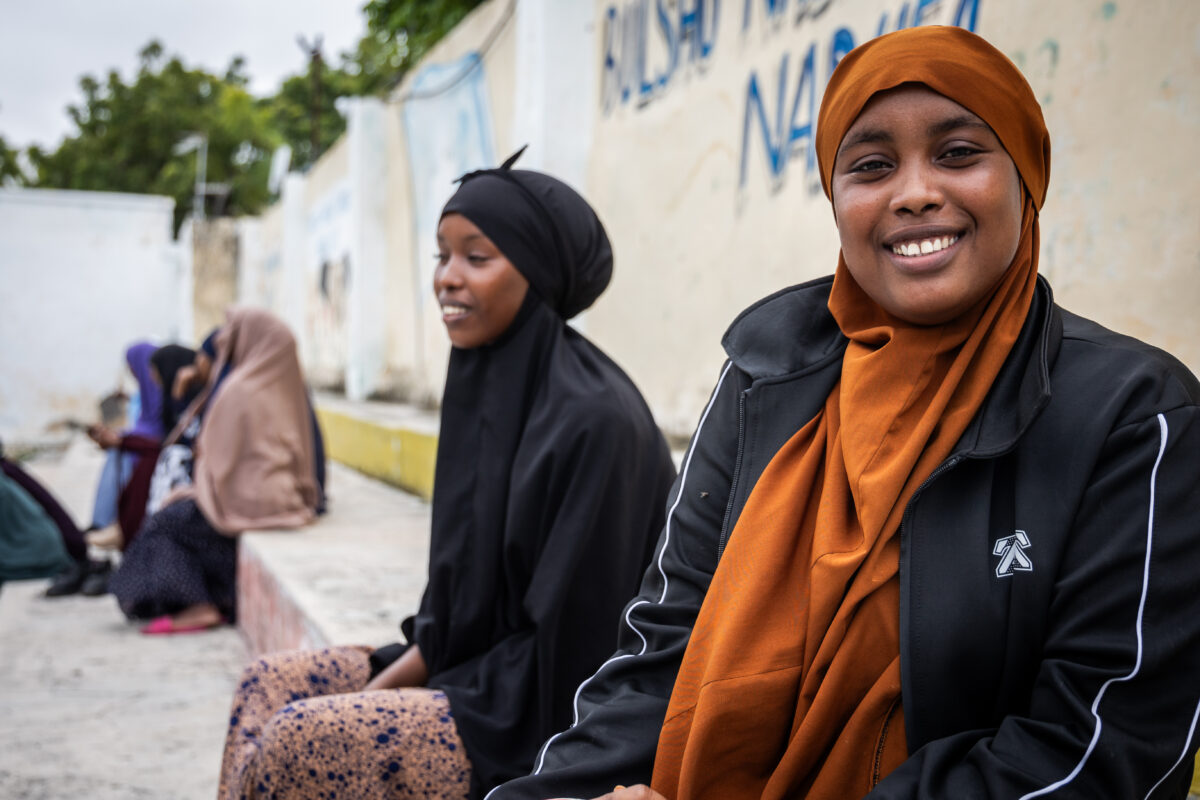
x=214 y=249
x=82 y=275
x=688 y=125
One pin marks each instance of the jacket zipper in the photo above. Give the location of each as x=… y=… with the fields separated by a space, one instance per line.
x=737 y=469
x=877 y=766
x=947 y=465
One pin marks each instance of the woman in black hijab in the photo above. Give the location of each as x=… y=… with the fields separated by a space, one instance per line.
x=549 y=494
x=167 y=362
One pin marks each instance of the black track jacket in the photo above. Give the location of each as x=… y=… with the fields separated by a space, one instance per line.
x=1050 y=629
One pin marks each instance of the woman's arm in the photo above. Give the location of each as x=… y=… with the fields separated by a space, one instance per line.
x=407 y=670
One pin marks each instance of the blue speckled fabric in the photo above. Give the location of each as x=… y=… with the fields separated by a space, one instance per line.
x=301 y=727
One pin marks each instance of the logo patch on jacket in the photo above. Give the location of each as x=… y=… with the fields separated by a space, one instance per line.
x=1013 y=557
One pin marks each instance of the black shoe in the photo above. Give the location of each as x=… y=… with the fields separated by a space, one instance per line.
x=96 y=582
x=69 y=581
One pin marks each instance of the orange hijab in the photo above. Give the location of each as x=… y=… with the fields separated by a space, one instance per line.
x=254 y=464
x=790 y=686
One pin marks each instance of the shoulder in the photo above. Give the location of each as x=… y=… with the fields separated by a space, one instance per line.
x=588 y=398
x=785 y=332
x=1102 y=361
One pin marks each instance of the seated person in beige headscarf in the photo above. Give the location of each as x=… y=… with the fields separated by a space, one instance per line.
x=254 y=469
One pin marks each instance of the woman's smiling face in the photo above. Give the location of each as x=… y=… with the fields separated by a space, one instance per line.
x=928 y=205
x=478 y=289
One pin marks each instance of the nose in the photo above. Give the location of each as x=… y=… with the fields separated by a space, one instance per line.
x=448 y=276
x=917 y=189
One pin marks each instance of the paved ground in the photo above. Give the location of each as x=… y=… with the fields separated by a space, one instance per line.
x=92 y=709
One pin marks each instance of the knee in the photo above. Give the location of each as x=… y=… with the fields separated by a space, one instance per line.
x=282 y=729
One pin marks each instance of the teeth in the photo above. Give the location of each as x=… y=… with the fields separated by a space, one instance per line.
x=923 y=246
x=450 y=311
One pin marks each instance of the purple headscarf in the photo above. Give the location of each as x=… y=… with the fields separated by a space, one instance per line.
x=149 y=421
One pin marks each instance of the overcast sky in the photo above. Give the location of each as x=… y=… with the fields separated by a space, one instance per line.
x=47 y=45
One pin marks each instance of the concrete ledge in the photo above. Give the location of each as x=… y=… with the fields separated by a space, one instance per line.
x=349 y=578
x=395 y=443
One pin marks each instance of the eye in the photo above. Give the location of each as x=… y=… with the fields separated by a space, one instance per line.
x=441 y=258
x=960 y=152
x=869 y=166
x=478 y=259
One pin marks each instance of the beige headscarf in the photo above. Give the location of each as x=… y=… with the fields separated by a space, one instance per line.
x=254 y=466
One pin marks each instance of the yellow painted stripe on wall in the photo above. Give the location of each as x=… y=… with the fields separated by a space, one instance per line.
x=399 y=456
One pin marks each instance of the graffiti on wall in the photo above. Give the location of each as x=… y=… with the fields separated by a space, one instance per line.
x=326 y=285
x=648 y=44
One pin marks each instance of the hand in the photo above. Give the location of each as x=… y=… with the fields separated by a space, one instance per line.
x=408 y=670
x=105 y=437
x=183 y=379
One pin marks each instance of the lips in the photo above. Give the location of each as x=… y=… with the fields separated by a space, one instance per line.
x=452 y=312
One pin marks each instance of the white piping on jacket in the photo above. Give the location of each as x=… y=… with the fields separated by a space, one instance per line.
x=1186 y=746
x=541 y=760
x=1162 y=446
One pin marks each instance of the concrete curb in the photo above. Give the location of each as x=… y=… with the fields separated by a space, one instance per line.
x=349 y=578
x=392 y=442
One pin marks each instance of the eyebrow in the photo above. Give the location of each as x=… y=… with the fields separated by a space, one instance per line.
x=873 y=135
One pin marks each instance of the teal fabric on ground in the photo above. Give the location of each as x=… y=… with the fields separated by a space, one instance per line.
x=30 y=544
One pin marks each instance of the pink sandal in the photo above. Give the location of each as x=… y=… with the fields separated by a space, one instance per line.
x=165 y=625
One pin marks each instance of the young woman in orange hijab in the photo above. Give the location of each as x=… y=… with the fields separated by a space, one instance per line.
x=934 y=536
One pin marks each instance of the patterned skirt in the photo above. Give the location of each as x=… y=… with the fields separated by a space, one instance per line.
x=301 y=727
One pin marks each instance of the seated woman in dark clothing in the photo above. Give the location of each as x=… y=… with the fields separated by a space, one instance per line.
x=174 y=467
x=70 y=580
x=253 y=469
x=127 y=451
x=952 y=550
x=549 y=487
x=70 y=535
x=37 y=538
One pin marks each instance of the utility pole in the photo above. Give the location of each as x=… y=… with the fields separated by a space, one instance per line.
x=316 y=63
x=199 y=143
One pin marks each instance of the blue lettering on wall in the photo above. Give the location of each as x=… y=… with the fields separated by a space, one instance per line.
x=686 y=34
x=776 y=10
x=781 y=145
x=647 y=43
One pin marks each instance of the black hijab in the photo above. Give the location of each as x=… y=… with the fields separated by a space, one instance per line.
x=168 y=360
x=549 y=488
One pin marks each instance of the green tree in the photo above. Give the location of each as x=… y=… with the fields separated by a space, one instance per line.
x=401 y=32
x=10 y=170
x=127 y=134
x=290 y=110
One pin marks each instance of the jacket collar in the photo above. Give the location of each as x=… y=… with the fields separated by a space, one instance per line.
x=791 y=332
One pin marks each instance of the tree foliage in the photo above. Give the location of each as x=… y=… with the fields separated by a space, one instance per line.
x=399 y=34
x=127 y=134
x=10 y=169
